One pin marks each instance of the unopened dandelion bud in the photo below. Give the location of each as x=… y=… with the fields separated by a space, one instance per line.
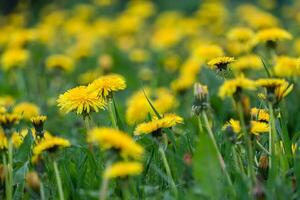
x=38 y=123
x=200 y=98
x=32 y=180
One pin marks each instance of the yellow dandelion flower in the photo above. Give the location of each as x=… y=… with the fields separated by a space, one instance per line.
x=7 y=120
x=231 y=87
x=164 y=100
x=89 y=76
x=220 y=63
x=138 y=107
x=256 y=18
x=3 y=140
x=271 y=83
x=60 y=61
x=80 y=100
x=208 y=52
x=110 y=138
x=13 y=58
x=261 y=115
x=249 y=61
x=241 y=34
x=38 y=122
x=273 y=34
x=2 y=109
x=123 y=169
x=287 y=66
x=6 y=101
x=167 y=121
x=27 y=110
x=49 y=144
x=283 y=90
x=183 y=82
x=108 y=84
x=257 y=127
x=235 y=125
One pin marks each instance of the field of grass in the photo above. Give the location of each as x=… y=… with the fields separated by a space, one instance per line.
x=140 y=99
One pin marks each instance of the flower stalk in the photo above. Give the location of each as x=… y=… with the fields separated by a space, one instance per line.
x=112 y=114
x=58 y=181
x=220 y=158
x=168 y=170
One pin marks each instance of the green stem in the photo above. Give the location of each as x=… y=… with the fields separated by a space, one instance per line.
x=273 y=146
x=58 y=181
x=200 y=124
x=8 y=168
x=104 y=184
x=168 y=170
x=221 y=160
x=42 y=192
x=249 y=148
x=263 y=148
x=111 y=114
x=87 y=123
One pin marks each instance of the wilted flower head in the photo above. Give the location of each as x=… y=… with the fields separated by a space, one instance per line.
x=200 y=98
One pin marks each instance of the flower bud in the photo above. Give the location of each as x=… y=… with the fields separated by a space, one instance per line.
x=200 y=98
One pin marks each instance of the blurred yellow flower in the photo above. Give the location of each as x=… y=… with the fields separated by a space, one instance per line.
x=208 y=52
x=123 y=169
x=26 y=110
x=109 y=138
x=234 y=125
x=14 y=58
x=287 y=66
x=248 y=61
x=138 y=107
x=49 y=144
x=60 y=61
x=7 y=120
x=167 y=121
x=273 y=34
x=261 y=115
x=232 y=86
x=257 y=128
